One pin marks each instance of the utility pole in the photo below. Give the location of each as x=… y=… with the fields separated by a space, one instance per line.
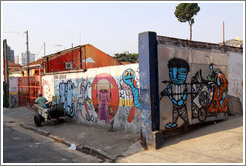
x=27 y=54
x=223 y=33
x=6 y=74
x=5 y=54
x=44 y=48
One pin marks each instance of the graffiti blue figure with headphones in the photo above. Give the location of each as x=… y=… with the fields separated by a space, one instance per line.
x=176 y=90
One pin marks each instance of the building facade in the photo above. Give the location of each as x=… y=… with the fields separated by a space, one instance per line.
x=22 y=58
x=11 y=55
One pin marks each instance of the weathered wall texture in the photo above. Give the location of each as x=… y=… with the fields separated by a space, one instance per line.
x=235 y=75
x=101 y=96
x=13 y=92
x=191 y=90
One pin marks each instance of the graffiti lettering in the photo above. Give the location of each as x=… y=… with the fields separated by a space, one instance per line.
x=66 y=94
x=91 y=118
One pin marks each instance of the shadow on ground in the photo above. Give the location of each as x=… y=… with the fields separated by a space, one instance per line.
x=199 y=130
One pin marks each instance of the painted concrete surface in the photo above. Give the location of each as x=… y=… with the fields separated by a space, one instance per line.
x=107 y=96
x=235 y=75
x=212 y=143
x=191 y=89
x=13 y=92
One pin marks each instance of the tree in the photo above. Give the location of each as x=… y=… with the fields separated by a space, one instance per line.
x=124 y=57
x=185 y=12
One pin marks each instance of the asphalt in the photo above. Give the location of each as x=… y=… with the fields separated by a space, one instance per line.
x=98 y=141
x=218 y=142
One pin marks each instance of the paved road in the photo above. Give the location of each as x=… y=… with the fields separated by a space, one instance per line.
x=23 y=146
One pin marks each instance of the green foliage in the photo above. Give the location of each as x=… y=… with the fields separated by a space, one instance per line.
x=185 y=12
x=124 y=57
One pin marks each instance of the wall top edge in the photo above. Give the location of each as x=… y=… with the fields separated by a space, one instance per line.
x=196 y=45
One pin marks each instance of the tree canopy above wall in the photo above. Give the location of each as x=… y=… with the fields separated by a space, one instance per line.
x=126 y=57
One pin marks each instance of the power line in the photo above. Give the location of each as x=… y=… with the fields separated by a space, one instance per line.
x=43 y=46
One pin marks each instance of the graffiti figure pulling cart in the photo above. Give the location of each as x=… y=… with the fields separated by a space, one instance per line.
x=46 y=111
x=208 y=97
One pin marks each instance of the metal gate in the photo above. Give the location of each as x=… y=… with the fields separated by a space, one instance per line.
x=29 y=88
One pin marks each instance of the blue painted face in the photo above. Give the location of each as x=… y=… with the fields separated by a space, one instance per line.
x=129 y=76
x=178 y=75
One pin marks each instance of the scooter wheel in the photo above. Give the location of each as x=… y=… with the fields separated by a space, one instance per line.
x=38 y=120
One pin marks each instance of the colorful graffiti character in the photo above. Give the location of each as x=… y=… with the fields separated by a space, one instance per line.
x=219 y=102
x=104 y=110
x=178 y=71
x=105 y=97
x=129 y=79
x=209 y=96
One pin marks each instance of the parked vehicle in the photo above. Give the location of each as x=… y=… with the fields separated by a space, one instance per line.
x=55 y=111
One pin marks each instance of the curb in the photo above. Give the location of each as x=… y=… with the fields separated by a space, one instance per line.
x=85 y=149
x=39 y=131
x=95 y=152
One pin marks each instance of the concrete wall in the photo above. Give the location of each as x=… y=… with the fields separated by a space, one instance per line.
x=101 y=96
x=191 y=90
x=235 y=75
x=13 y=92
x=191 y=85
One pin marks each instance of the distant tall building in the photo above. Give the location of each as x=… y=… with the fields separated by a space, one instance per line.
x=22 y=58
x=11 y=56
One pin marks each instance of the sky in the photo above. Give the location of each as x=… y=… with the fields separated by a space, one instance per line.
x=112 y=27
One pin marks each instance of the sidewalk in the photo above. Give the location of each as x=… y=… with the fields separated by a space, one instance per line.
x=96 y=140
x=220 y=142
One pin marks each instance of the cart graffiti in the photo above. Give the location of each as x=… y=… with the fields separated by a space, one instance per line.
x=209 y=96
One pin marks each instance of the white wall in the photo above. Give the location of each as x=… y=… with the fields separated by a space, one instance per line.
x=235 y=75
x=80 y=94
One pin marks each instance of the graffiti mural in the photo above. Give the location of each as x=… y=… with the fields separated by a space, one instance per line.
x=128 y=78
x=176 y=90
x=98 y=98
x=105 y=97
x=208 y=96
x=46 y=90
x=82 y=102
x=65 y=95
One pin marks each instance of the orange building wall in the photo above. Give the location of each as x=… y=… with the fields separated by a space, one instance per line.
x=91 y=58
x=101 y=59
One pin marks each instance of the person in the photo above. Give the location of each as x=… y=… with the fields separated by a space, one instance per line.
x=42 y=101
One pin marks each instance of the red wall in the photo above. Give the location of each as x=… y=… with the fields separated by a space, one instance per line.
x=86 y=52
